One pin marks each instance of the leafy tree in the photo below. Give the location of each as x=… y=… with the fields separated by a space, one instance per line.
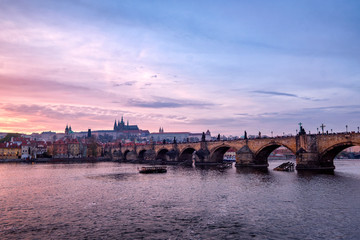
x=8 y=137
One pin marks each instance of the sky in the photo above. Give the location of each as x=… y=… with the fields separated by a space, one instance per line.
x=226 y=66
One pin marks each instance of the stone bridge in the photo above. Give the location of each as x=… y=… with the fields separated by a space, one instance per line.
x=312 y=151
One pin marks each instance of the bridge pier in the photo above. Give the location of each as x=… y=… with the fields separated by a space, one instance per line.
x=149 y=156
x=308 y=156
x=172 y=156
x=246 y=158
x=202 y=157
x=311 y=161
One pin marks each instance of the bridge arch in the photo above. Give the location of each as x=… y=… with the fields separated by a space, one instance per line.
x=162 y=154
x=328 y=155
x=141 y=155
x=217 y=154
x=186 y=154
x=129 y=155
x=125 y=154
x=261 y=156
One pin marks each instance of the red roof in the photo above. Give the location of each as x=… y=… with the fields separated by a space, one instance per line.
x=9 y=145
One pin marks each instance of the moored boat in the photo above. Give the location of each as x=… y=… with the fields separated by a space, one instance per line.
x=153 y=170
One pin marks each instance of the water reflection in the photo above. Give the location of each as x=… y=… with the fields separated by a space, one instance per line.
x=114 y=201
x=249 y=170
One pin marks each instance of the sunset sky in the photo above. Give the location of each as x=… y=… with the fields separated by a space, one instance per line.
x=226 y=66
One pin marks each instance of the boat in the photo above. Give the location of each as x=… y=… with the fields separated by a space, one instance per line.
x=152 y=170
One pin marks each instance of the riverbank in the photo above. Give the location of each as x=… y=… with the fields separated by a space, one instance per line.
x=57 y=160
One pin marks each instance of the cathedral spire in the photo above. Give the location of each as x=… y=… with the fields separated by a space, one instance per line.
x=115 y=126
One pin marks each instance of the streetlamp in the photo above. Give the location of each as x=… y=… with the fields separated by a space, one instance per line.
x=317 y=130
x=346 y=128
x=271 y=133
x=358 y=129
x=331 y=131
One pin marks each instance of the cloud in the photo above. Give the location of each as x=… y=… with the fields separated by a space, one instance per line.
x=161 y=102
x=39 y=85
x=58 y=112
x=334 y=107
x=128 y=83
x=273 y=93
x=276 y=93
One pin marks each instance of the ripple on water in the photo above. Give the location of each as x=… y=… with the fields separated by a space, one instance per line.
x=114 y=201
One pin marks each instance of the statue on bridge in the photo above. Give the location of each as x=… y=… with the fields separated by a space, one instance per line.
x=203 y=137
x=302 y=130
x=245 y=135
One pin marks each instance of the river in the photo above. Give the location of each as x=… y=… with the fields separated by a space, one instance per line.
x=113 y=201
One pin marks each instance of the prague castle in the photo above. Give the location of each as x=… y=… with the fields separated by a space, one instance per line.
x=120 y=126
x=120 y=131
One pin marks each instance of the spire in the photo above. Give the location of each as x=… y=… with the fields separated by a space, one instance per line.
x=160 y=130
x=115 y=126
x=122 y=120
x=127 y=122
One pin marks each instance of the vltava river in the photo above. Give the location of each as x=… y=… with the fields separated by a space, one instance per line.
x=114 y=201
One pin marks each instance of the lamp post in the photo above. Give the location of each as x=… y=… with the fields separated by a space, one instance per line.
x=272 y=134
x=358 y=129
x=346 y=128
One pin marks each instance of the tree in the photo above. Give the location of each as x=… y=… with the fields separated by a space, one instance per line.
x=8 y=137
x=93 y=149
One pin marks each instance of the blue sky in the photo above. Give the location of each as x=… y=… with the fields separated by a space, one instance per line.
x=183 y=65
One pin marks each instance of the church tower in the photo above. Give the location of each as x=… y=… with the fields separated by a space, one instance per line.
x=115 y=126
